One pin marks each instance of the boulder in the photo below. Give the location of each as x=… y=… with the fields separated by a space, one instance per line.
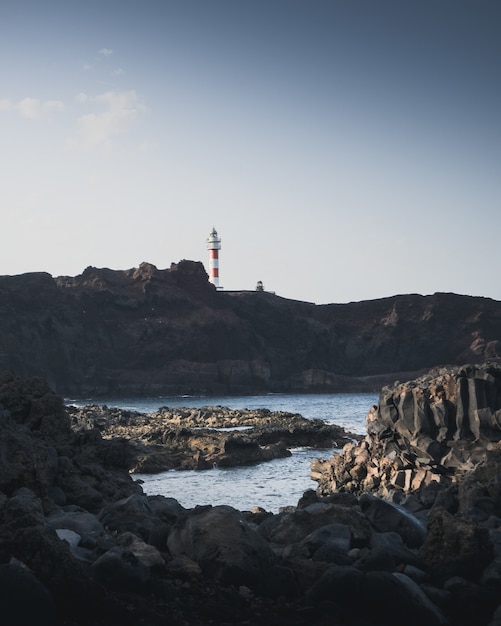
x=79 y=521
x=469 y=602
x=293 y=527
x=394 y=599
x=226 y=547
x=132 y=514
x=146 y=554
x=392 y=544
x=387 y=517
x=455 y=546
x=119 y=569
x=341 y=585
x=24 y=600
x=329 y=543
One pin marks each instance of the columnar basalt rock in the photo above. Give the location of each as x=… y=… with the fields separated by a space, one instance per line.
x=428 y=431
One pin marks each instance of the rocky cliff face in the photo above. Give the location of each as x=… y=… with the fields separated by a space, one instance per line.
x=424 y=435
x=145 y=331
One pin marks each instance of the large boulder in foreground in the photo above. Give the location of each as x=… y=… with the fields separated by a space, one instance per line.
x=429 y=431
x=224 y=545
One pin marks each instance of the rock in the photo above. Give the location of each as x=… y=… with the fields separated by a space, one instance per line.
x=182 y=567
x=151 y=331
x=86 y=525
x=340 y=585
x=496 y=617
x=288 y=528
x=132 y=514
x=24 y=600
x=386 y=516
x=329 y=543
x=279 y=581
x=455 y=546
x=186 y=438
x=166 y=509
x=71 y=537
x=26 y=458
x=392 y=544
x=426 y=432
x=377 y=559
x=394 y=599
x=469 y=602
x=118 y=569
x=223 y=544
x=26 y=537
x=145 y=554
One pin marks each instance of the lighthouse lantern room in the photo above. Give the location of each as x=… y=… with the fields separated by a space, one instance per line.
x=213 y=246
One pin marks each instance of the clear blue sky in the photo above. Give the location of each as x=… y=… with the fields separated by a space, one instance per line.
x=343 y=149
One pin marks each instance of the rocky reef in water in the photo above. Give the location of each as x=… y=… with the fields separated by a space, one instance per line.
x=80 y=543
x=185 y=438
x=148 y=331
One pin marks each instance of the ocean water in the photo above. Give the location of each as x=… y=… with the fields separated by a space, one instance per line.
x=269 y=485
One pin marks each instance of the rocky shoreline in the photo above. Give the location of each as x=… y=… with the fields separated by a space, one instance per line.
x=185 y=438
x=80 y=543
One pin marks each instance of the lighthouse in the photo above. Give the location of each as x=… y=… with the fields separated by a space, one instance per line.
x=213 y=246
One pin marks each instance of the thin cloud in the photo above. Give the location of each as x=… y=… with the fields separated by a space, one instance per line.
x=121 y=110
x=33 y=108
x=106 y=52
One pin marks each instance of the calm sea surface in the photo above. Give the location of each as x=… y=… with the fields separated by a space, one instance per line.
x=270 y=485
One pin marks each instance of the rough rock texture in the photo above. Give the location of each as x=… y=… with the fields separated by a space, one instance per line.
x=424 y=433
x=187 y=438
x=81 y=544
x=151 y=331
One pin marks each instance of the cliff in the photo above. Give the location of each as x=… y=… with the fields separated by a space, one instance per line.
x=424 y=435
x=148 y=331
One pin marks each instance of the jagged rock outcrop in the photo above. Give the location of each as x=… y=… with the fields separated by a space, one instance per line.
x=187 y=438
x=151 y=331
x=423 y=433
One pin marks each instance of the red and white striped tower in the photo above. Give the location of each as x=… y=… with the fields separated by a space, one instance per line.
x=213 y=246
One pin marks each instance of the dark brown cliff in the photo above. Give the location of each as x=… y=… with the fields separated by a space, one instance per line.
x=148 y=331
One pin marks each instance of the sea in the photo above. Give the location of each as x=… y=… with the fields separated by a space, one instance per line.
x=271 y=485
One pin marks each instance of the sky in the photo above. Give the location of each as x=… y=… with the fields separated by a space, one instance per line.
x=344 y=150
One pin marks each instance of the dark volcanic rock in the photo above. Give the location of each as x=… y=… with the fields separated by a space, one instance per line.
x=423 y=435
x=81 y=544
x=146 y=331
x=223 y=544
x=23 y=598
x=456 y=546
x=186 y=438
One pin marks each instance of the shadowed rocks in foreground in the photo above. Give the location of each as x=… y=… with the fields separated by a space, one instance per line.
x=80 y=543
